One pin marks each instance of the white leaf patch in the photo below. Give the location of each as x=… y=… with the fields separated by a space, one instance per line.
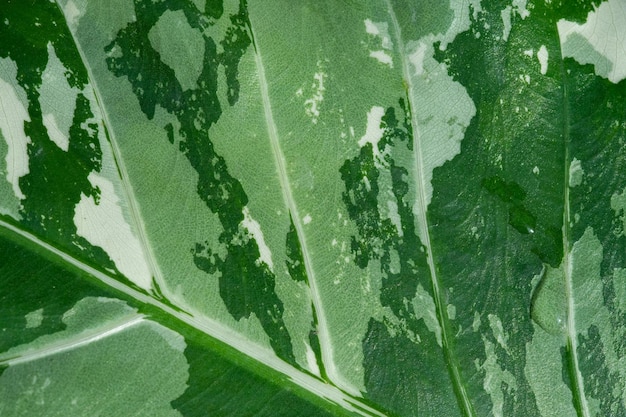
x=103 y=225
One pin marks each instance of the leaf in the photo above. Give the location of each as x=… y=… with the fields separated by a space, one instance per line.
x=316 y=208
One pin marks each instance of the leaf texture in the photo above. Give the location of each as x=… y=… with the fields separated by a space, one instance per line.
x=392 y=207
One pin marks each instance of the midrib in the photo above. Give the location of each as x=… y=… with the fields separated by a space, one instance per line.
x=442 y=315
x=572 y=343
x=214 y=329
x=279 y=160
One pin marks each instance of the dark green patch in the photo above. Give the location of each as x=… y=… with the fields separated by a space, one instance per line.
x=216 y=387
x=246 y=285
x=295 y=260
x=29 y=282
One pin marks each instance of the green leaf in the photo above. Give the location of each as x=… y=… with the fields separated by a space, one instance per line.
x=389 y=207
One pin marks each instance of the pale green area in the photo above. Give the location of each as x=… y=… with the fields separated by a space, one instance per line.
x=9 y=204
x=497 y=380
x=13 y=143
x=544 y=372
x=578 y=47
x=57 y=100
x=137 y=370
x=451 y=311
x=618 y=204
x=34 y=318
x=549 y=303
x=180 y=46
x=495 y=324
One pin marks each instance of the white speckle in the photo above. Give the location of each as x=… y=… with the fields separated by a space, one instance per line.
x=351 y=131
x=373 y=132
x=254 y=228
x=312 y=105
x=380 y=30
x=575 y=173
x=529 y=52
x=417 y=58
x=103 y=225
x=34 y=318
x=311 y=360
x=536 y=170
x=334 y=242
x=605 y=31
x=12 y=127
x=307 y=219
x=299 y=92
x=542 y=56
x=382 y=57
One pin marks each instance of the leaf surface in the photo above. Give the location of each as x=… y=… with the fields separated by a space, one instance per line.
x=266 y=208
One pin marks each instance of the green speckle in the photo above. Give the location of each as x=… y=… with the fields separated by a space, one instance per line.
x=34 y=318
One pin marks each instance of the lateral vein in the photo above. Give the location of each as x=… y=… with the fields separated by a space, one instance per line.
x=279 y=160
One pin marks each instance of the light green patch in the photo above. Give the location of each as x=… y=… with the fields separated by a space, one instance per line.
x=605 y=32
x=505 y=14
x=549 y=302
x=136 y=367
x=498 y=331
x=424 y=307
x=618 y=204
x=57 y=100
x=476 y=323
x=497 y=380
x=544 y=373
x=184 y=53
x=575 y=173
x=13 y=102
x=9 y=203
x=34 y=318
x=451 y=311
x=520 y=7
